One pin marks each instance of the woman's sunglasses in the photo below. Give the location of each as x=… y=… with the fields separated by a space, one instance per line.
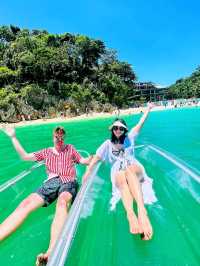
x=118 y=128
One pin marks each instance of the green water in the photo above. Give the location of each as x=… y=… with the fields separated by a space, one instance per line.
x=103 y=237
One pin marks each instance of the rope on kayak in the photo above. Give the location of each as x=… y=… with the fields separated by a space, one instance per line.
x=177 y=162
x=17 y=178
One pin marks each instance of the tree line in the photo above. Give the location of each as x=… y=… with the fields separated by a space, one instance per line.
x=186 y=87
x=42 y=74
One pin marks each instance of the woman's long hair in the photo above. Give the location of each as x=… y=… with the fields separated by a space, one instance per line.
x=121 y=139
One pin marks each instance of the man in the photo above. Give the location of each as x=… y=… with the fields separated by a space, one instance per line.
x=61 y=185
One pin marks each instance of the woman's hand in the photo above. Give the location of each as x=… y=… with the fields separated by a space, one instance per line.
x=150 y=105
x=87 y=160
x=94 y=159
x=90 y=158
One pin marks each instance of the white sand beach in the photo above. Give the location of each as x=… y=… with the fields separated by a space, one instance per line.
x=91 y=115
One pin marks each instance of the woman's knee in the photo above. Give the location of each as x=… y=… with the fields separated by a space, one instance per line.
x=120 y=180
x=135 y=169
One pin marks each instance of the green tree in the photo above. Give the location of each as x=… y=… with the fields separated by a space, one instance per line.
x=39 y=70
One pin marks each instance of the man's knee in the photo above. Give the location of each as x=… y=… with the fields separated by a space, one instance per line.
x=26 y=204
x=63 y=199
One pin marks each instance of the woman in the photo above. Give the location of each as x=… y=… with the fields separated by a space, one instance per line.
x=127 y=174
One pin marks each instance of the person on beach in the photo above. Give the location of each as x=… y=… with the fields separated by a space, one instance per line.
x=129 y=180
x=61 y=185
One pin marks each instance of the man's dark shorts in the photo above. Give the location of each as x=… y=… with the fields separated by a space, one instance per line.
x=52 y=188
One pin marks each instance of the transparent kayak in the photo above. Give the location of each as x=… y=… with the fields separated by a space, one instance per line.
x=100 y=236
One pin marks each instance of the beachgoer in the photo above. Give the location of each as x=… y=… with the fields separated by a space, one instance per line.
x=127 y=175
x=61 y=185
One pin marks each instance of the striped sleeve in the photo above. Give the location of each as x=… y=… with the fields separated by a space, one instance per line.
x=40 y=155
x=76 y=156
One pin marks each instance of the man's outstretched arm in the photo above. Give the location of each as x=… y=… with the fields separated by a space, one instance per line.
x=18 y=147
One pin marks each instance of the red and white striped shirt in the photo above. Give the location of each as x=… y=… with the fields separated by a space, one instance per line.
x=60 y=164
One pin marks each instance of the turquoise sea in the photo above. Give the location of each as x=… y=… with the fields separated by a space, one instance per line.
x=171 y=157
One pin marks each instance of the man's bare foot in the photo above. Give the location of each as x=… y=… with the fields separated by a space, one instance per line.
x=133 y=223
x=145 y=225
x=42 y=259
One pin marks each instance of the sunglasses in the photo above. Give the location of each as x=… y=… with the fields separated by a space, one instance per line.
x=118 y=128
x=59 y=137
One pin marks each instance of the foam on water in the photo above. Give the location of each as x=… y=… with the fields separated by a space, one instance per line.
x=187 y=183
x=91 y=196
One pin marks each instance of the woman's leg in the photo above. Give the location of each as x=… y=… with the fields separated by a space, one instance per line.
x=16 y=218
x=127 y=200
x=136 y=191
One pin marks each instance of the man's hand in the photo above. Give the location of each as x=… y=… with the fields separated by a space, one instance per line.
x=10 y=131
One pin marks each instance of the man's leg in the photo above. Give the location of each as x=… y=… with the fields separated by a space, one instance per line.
x=127 y=200
x=57 y=224
x=16 y=218
x=136 y=191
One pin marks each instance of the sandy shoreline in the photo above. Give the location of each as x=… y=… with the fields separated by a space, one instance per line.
x=128 y=111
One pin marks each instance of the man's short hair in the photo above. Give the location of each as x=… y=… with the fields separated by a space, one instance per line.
x=59 y=130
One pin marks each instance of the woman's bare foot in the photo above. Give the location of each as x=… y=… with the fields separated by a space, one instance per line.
x=42 y=259
x=133 y=223
x=145 y=225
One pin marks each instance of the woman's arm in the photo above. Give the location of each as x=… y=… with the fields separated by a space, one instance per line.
x=135 y=130
x=86 y=160
x=90 y=167
x=100 y=155
x=18 y=147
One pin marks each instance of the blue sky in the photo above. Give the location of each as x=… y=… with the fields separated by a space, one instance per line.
x=159 y=38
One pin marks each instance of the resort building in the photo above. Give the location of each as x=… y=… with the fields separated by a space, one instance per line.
x=148 y=91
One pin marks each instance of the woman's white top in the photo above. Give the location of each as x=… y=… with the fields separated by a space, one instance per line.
x=119 y=156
